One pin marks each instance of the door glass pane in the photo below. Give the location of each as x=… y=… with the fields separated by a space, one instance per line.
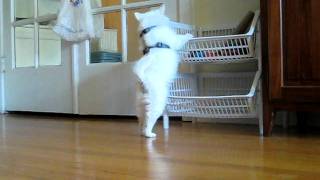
x=48 y=7
x=107 y=46
x=109 y=2
x=24 y=9
x=134 y=51
x=24 y=46
x=49 y=45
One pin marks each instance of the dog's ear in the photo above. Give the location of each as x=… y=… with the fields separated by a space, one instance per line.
x=162 y=9
x=138 y=16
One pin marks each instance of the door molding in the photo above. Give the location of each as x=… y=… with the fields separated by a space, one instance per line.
x=75 y=78
x=2 y=61
x=2 y=84
x=1 y=30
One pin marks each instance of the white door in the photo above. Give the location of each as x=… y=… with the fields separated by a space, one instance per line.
x=39 y=68
x=106 y=83
x=45 y=74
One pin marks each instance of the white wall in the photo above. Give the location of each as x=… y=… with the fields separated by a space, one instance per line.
x=171 y=8
x=186 y=11
x=218 y=13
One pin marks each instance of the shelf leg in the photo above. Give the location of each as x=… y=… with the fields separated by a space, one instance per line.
x=194 y=120
x=260 y=116
x=302 y=119
x=165 y=120
x=268 y=120
x=260 y=109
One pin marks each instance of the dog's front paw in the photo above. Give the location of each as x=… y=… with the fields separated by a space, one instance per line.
x=189 y=36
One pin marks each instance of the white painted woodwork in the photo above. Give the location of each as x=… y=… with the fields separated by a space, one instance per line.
x=42 y=89
x=1 y=30
x=76 y=86
x=105 y=88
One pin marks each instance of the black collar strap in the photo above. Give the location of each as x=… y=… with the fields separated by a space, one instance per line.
x=158 y=45
x=146 y=30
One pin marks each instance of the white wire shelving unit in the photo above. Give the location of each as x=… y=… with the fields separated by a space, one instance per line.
x=231 y=95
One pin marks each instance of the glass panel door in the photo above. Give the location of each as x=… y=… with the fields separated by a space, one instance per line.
x=49 y=45
x=24 y=46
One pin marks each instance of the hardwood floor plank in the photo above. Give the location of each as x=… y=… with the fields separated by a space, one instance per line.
x=67 y=148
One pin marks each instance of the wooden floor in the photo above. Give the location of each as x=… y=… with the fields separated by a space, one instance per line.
x=72 y=148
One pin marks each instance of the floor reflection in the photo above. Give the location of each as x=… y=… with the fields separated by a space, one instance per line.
x=157 y=158
x=72 y=148
x=3 y=133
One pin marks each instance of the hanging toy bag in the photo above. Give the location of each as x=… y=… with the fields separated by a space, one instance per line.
x=75 y=21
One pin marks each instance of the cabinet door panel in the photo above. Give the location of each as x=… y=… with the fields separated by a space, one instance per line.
x=294 y=50
x=301 y=42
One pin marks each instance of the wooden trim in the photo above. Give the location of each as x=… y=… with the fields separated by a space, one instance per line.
x=267 y=107
x=274 y=48
x=302 y=107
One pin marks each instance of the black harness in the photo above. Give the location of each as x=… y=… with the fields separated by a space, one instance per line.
x=146 y=50
x=146 y=30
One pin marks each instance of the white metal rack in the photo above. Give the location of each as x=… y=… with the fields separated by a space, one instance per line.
x=221 y=45
x=218 y=95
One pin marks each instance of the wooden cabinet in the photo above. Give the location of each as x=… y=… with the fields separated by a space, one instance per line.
x=291 y=56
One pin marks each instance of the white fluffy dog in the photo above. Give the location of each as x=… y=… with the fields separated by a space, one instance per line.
x=157 y=68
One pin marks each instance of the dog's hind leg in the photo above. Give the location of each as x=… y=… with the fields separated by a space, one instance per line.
x=157 y=100
x=141 y=104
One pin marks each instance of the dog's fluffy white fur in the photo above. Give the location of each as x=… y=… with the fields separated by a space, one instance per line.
x=156 y=69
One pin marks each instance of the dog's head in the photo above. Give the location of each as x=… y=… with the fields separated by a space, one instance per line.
x=152 y=18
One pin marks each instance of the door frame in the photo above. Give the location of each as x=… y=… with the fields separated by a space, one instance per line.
x=2 y=60
x=1 y=30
